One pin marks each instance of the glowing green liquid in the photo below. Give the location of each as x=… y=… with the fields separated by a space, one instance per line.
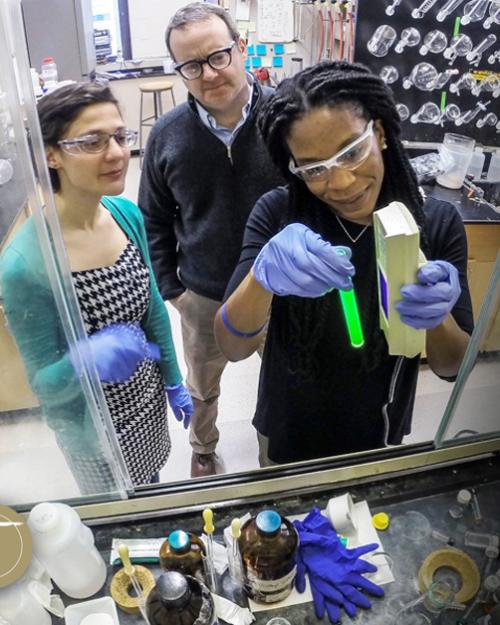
x=352 y=319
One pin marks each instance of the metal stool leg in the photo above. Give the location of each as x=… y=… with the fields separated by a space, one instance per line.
x=173 y=97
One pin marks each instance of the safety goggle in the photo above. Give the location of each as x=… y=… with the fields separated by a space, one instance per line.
x=98 y=142
x=350 y=157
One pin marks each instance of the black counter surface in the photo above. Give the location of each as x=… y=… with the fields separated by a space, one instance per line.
x=430 y=493
x=471 y=212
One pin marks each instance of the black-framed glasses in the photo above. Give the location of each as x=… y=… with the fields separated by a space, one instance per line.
x=96 y=142
x=220 y=59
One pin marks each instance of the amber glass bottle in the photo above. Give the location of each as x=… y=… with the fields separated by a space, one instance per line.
x=180 y=600
x=268 y=545
x=183 y=552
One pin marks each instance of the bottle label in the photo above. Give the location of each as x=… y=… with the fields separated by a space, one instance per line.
x=270 y=590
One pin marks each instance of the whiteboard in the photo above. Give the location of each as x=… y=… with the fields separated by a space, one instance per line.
x=275 y=20
x=148 y=21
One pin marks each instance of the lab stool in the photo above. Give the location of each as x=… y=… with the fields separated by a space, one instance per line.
x=156 y=88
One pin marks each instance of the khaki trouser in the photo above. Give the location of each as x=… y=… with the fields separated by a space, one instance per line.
x=205 y=364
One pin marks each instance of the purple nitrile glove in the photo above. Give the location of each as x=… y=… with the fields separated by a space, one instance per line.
x=297 y=261
x=116 y=350
x=181 y=403
x=335 y=572
x=426 y=305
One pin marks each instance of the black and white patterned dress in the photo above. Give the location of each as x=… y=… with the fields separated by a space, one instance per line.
x=120 y=293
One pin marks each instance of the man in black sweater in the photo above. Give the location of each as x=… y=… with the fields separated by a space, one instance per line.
x=204 y=168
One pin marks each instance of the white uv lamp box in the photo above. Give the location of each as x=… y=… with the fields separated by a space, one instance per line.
x=397 y=246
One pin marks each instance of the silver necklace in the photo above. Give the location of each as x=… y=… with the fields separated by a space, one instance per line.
x=352 y=239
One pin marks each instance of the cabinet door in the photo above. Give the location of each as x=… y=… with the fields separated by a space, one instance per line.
x=484 y=244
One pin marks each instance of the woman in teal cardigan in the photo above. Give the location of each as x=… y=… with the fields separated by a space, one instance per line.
x=129 y=335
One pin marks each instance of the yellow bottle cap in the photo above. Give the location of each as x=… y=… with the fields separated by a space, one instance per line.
x=380 y=521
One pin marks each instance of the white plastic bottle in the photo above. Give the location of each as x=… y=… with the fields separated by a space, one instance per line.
x=494 y=168
x=49 y=73
x=19 y=607
x=477 y=163
x=65 y=547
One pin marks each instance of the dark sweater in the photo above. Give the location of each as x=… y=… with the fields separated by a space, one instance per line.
x=196 y=199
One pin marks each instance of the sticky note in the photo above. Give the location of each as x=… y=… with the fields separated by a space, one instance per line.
x=250 y=50
x=267 y=61
x=277 y=61
x=256 y=61
x=247 y=64
x=279 y=48
x=261 y=49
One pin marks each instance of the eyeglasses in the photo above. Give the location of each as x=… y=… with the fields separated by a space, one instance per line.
x=98 y=142
x=350 y=157
x=220 y=59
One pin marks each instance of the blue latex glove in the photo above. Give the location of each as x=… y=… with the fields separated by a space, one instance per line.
x=335 y=573
x=116 y=351
x=297 y=261
x=426 y=305
x=181 y=403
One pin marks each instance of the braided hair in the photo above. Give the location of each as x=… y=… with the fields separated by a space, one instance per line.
x=354 y=87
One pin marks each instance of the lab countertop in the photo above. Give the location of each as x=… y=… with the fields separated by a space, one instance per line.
x=471 y=212
x=430 y=493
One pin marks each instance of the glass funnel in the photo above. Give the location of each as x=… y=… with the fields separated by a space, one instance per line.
x=447 y=9
x=403 y=111
x=490 y=119
x=494 y=16
x=391 y=9
x=460 y=45
x=474 y=11
x=382 y=40
x=424 y=8
x=466 y=81
x=389 y=74
x=428 y=113
x=435 y=41
x=409 y=37
x=474 y=56
x=423 y=76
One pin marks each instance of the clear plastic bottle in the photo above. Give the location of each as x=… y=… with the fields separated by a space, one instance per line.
x=493 y=174
x=180 y=600
x=49 y=73
x=65 y=547
x=183 y=552
x=463 y=501
x=19 y=607
x=477 y=163
x=268 y=545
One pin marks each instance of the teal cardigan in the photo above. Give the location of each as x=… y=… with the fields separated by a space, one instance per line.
x=34 y=322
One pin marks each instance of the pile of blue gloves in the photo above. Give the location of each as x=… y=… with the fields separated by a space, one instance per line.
x=117 y=350
x=297 y=261
x=335 y=572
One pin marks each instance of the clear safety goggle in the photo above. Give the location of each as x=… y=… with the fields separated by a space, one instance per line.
x=350 y=157
x=98 y=142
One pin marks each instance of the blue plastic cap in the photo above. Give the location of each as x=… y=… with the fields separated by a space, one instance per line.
x=179 y=540
x=268 y=521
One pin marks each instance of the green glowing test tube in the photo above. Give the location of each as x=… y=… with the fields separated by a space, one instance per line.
x=351 y=316
x=351 y=313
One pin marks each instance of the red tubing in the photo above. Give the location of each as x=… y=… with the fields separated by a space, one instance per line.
x=332 y=31
x=341 y=48
x=322 y=35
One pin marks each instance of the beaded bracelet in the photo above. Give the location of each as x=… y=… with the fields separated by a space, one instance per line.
x=245 y=335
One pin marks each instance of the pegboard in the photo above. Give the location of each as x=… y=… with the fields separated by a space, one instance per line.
x=372 y=14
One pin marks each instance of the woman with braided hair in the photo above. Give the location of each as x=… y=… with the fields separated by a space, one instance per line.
x=334 y=131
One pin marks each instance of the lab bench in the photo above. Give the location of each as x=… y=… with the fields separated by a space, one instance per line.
x=425 y=494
